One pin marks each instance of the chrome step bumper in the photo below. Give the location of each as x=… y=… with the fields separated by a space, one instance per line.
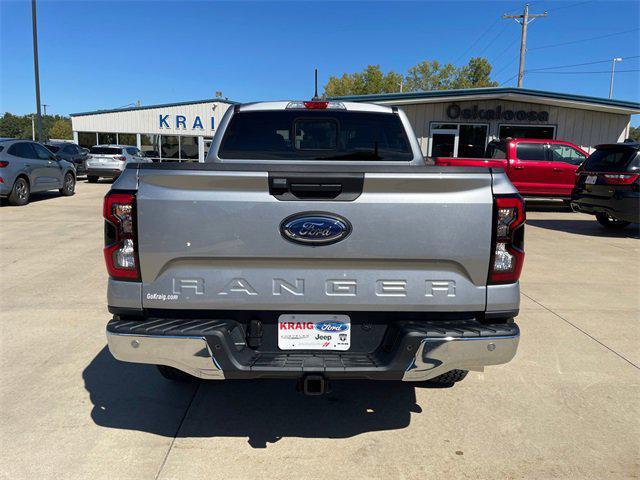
x=189 y=354
x=208 y=349
x=436 y=356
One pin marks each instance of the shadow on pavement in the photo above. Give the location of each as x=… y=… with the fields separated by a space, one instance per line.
x=547 y=206
x=136 y=397
x=586 y=227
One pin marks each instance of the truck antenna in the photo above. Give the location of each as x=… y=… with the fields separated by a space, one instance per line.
x=315 y=95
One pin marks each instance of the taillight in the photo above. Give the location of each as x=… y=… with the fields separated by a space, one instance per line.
x=3 y=164
x=120 y=237
x=122 y=158
x=508 y=246
x=620 y=179
x=316 y=105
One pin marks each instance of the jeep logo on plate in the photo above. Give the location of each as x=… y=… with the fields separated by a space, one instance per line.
x=315 y=228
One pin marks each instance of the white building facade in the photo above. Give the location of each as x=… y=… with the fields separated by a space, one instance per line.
x=447 y=123
x=169 y=132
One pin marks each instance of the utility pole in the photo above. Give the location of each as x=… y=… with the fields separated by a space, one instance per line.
x=525 y=19
x=35 y=67
x=613 y=69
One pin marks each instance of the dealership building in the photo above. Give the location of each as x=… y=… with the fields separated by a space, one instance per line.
x=456 y=123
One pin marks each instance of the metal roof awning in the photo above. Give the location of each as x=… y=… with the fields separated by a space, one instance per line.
x=497 y=93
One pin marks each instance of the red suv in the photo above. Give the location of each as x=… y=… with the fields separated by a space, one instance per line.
x=540 y=168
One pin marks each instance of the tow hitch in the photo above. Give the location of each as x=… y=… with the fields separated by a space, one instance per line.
x=313 y=385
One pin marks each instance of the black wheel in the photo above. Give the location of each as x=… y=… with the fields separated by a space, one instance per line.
x=20 y=193
x=175 y=375
x=448 y=379
x=92 y=179
x=69 y=185
x=608 y=221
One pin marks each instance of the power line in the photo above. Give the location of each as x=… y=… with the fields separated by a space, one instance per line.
x=593 y=71
x=569 y=6
x=509 y=79
x=585 y=39
x=504 y=29
x=578 y=64
x=476 y=41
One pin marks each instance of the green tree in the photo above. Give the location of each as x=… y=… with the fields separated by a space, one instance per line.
x=634 y=134
x=371 y=80
x=14 y=126
x=61 y=129
x=476 y=74
x=425 y=76
x=428 y=75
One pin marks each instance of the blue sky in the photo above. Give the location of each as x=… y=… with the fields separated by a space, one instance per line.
x=108 y=54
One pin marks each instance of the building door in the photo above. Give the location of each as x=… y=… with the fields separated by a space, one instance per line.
x=458 y=140
x=444 y=140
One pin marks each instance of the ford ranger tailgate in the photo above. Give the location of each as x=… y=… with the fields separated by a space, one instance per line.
x=414 y=239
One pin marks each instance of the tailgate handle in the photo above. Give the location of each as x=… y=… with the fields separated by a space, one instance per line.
x=316 y=190
x=295 y=186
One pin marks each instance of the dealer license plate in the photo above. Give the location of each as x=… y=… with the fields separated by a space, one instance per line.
x=314 y=332
x=591 y=179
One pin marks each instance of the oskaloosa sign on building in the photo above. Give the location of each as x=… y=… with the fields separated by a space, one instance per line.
x=454 y=112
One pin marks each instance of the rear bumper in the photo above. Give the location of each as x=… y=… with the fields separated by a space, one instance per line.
x=409 y=351
x=103 y=172
x=622 y=205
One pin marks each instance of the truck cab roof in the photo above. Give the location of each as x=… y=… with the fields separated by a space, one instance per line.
x=299 y=105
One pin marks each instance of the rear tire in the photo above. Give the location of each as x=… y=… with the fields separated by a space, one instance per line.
x=447 y=379
x=69 y=185
x=175 y=375
x=92 y=179
x=610 y=222
x=20 y=193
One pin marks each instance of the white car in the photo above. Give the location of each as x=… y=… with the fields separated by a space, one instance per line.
x=109 y=161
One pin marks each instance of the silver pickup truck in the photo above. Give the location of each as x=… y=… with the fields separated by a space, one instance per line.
x=313 y=244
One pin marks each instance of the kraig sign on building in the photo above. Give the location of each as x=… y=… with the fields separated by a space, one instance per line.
x=182 y=122
x=455 y=112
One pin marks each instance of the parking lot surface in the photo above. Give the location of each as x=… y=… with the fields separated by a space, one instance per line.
x=566 y=407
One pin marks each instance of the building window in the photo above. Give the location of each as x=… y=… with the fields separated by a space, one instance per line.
x=458 y=140
x=150 y=146
x=107 y=139
x=527 y=131
x=170 y=147
x=87 y=139
x=127 y=139
x=207 y=144
x=189 y=148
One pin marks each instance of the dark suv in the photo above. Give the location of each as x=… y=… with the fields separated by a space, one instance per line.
x=608 y=185
x=70 y=152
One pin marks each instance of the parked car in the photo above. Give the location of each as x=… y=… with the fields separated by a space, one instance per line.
x=109 y=161
x=70 y=152
x=27 y=167
x=537 y=168
x=608 y=185
x=313 y=244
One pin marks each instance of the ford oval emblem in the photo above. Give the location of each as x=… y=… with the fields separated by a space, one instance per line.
x=332 y=326
x=315 y=228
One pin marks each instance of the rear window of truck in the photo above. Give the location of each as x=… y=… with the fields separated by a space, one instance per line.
x=315 y=135
x=105 y=151
x=613 y=159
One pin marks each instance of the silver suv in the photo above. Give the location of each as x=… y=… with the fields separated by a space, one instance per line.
x=109 y=161
x=27 y=167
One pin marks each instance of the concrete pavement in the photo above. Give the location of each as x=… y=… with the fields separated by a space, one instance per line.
x=566 y=407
